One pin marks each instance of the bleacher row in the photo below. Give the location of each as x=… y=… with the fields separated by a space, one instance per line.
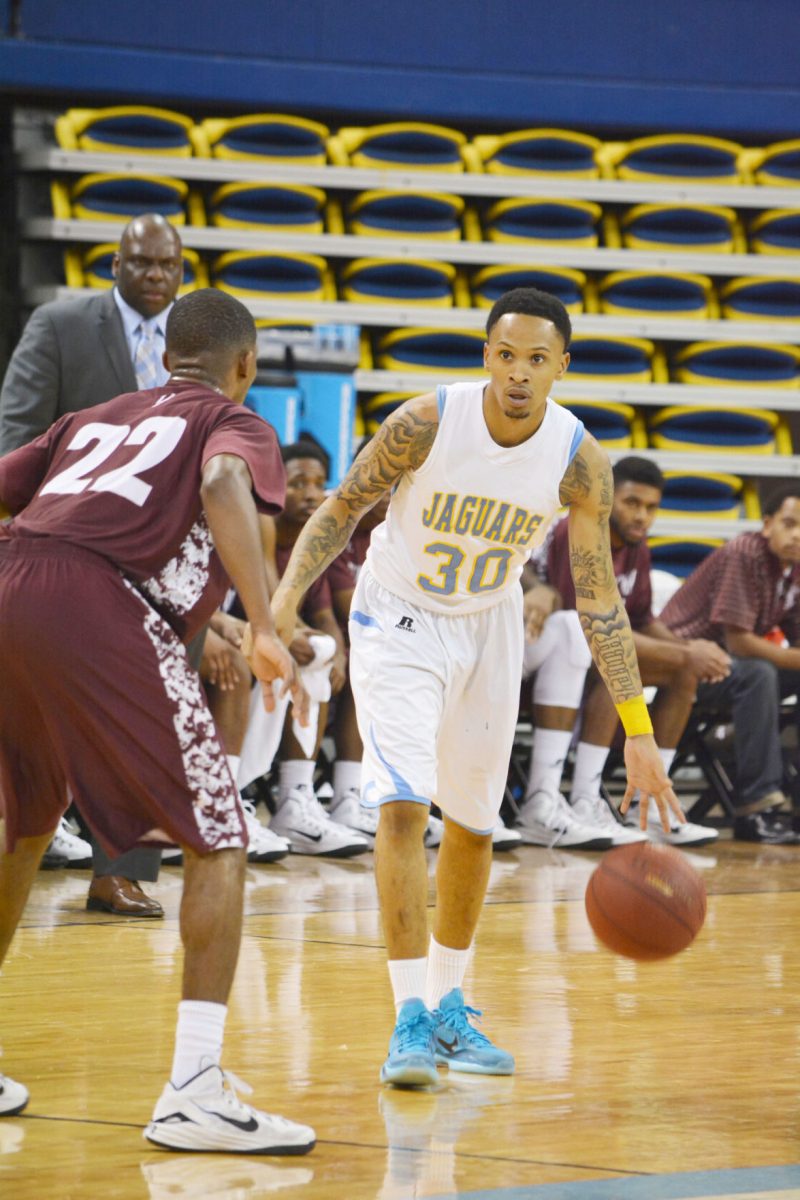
x=276 y=206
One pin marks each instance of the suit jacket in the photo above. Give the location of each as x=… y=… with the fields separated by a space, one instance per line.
x=72 y=355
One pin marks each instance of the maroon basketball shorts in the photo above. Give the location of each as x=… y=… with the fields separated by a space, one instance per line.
x=97 y=696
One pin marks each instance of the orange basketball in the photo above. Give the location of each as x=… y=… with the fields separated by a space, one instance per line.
x=646 y=901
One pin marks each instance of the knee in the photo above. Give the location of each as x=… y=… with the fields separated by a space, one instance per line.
x=402 y=819
x=755 y=676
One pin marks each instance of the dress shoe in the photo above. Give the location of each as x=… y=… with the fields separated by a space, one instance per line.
x=120 y=896
x=772 y=827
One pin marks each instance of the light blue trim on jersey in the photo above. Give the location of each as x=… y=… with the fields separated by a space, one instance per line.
x=469 y=828
x=441 y=398
x=372 y=804
x=362 y=618
x=404 y=789
x=577 y=438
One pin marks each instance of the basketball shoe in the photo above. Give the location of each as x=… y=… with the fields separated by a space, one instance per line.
x=679 y=835
x=504 y=838
x=411 y=1061
x=546 y=819
x=206 y=1114
x=13 y=1097
x=349 y=811
x=462 y=1047
x=264 y=844
x=433 y=832
x=302 y=820
x=593 y=810
x=76 y=850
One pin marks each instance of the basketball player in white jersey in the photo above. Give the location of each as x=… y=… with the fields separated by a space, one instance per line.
x=477 y=472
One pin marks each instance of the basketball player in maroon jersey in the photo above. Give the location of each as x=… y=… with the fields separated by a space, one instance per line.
x=129 y=521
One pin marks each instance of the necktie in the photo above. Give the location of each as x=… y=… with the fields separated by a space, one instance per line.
x=147 y=359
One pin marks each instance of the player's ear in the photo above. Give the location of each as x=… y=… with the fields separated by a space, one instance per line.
x=246 y=364
x=562 y=370
x=486 y=355
x=115 y=265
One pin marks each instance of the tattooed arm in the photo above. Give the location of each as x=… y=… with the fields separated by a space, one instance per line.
x=401 y=444
x=588 y=488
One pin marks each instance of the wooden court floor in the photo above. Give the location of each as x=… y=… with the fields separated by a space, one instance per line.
x=626 y=1073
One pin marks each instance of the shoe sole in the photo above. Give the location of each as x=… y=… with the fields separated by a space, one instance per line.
x=410 y=1076
x=467 y=1068
x=176 y=1142
x=12 y=1112
x=267 y=856
x=339 y=852
x=98 y=906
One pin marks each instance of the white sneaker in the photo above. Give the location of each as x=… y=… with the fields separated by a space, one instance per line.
x=504 y=838
x=302 y=820
x=593 y=810
x=679 y=835
x=265 y=845
x=76 y=850
x=433 y=832
x=13 y=1097
x=546 y=819
x=206 y=1114
x=351 y=813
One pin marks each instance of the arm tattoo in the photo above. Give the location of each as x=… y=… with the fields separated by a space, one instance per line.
x=577 y=481
x=609 y=637
x=401 y=444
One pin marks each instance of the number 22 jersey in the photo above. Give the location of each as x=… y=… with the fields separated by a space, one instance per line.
x=122 y=479
x=460 y=528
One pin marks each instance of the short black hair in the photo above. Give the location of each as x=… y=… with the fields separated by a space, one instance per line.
x=774 y=502
x=209 y=322
x=634 y=469
x=532 y=303
x=305 y=450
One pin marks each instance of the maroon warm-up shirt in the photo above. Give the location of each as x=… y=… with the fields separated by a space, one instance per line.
x=631 y=569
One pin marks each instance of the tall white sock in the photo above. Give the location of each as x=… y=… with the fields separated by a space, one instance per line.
x=667 y=757
x=549 y=753
x=587 y=775
x=198 y=1039
x=408 y=979
x=295 y=772
x=446 y=970
x=346 y=778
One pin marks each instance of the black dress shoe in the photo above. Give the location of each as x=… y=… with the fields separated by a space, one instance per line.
x=774 y=828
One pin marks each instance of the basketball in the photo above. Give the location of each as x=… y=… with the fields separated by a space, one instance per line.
x=646 y=901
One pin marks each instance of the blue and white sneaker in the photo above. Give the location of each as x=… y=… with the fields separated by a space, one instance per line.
x=462 y=1047
x=411 y=1061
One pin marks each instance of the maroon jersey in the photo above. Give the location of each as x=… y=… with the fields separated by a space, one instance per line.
x=123 y=480
x=631 y=569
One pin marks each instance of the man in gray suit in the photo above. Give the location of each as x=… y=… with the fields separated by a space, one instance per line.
x=74 y=354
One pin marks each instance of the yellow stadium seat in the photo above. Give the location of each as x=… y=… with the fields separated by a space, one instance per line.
x=102 y=197
x=776 y=232
x=548 y=152
x=616 y=426
x=385 y=213
x=721 y=430
x=266 y=137
x=255 y=276
x=657 y=294
x=375 y=409
x=708 y=494
x=628 y=360
x=490 y=283
x=456 y=351
x=738 y=364
x=277 y=207
x=548 y=222
x=402 y=281
x=704 y=228
x=400 y=145
x=675 y=158
x=680 y=556
x=777 y=165
x=125 y=129
x=92 y=268
x=761 y=299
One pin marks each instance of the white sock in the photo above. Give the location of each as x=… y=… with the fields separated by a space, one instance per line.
x=295 y=772
x=233 y=763
x=446 y=970
x=549 y=753
x=408 y=979
x=588 y=773
x=667 y=758
x=346 y=778
x=198 y=1039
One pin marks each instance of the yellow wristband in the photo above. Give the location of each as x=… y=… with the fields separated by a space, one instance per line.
x=634 y=716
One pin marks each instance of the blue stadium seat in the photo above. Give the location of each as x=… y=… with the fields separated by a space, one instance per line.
x=776 y=232
x=549 y=222
x=680 y=556
x=616 y=426
x=384 y=213
x=273 y=276
x=568 y=285
x=722 y=430
x=704 y=228
x=549 y=152
x=267 y=137
x=279 y=208
x=457 y=351
x=737 y=364
x=400 y=281
x=777 y=165
x=662 y=294
x=92 y=268
x=675 y=158
x=400 y=145
x=756 y=299
x=125 y=129
x=629 y=360
x=708 y=494
x=112 y=197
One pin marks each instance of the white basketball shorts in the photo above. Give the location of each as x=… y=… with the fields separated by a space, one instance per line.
x=437 y=698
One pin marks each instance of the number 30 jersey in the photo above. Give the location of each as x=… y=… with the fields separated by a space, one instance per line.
x=460 y=529
x=122 y=479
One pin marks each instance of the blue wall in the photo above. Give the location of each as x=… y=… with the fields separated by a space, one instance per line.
x=725 y=65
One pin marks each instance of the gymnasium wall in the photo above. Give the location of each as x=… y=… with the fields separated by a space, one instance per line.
x=716 y=65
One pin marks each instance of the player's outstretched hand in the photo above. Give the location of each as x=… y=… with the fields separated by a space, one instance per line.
x=269 y=660
x=646 y=775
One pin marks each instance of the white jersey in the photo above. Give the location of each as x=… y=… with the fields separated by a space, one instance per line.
x=459 y=530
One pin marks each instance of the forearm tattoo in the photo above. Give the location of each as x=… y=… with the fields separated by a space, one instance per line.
x=611 y=642
x=401 y=444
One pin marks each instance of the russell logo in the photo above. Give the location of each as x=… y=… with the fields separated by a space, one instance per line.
x=406 y=623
